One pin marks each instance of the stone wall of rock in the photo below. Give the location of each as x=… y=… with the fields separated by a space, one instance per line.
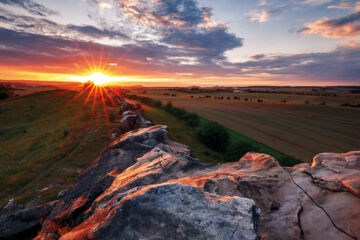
x=145 y=186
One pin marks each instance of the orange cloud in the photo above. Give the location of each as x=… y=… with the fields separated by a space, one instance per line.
x=341 y=27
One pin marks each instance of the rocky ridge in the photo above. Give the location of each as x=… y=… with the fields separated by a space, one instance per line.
x=145 y=186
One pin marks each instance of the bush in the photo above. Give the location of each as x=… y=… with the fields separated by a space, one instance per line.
x=192 y=119
x=158 y=104
x=214 y=135
x=168 y=106
x=238 y=149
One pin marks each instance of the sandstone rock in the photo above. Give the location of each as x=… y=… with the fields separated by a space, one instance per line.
x=169 y=211
x=24 y=223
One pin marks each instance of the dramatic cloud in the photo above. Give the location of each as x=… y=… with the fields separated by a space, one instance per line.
x=184 y=25
x=341 y=27
x=30 y=6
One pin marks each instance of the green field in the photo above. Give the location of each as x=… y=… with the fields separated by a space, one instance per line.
x=184 y=134
x=46 y=139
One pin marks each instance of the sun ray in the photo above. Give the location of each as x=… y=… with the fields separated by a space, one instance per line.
x=89 y=95
x=109 y=97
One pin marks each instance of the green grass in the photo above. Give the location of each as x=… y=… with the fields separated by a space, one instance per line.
x=46 y=139
x=181 y=133
x=184 y=134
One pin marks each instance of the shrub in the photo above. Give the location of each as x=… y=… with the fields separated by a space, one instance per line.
x=192 y=119
x=158 y=104
x=238 y=149
x=168 y=107
x=214 y=135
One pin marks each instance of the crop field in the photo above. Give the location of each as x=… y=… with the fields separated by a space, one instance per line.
x=298 y=128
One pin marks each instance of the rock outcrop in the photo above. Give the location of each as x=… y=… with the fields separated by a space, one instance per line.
x=131 y=118
x=23 y=223
x=145 y=186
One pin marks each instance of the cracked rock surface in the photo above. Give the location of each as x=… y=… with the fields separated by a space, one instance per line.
x=145 y=186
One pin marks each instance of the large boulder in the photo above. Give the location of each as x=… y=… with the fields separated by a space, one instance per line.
x=131 y=192
x=169 y=211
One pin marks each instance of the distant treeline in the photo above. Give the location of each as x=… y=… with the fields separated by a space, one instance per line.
x=212 y=134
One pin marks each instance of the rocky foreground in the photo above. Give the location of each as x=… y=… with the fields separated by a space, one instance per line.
x=145 y=186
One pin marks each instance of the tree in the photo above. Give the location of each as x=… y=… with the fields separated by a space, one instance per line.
x=214 y=135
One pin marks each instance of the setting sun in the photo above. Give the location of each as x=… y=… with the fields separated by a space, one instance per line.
x=98 y=78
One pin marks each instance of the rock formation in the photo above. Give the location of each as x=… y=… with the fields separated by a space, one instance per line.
x=131 y=118
x=145 y=186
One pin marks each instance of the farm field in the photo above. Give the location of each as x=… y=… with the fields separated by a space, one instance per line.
x=299 y=130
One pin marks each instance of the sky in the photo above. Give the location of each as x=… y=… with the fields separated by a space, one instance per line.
x=182 y=42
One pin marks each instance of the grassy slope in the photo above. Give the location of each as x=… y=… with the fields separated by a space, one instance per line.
x=46 y=139
x=181 y=133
